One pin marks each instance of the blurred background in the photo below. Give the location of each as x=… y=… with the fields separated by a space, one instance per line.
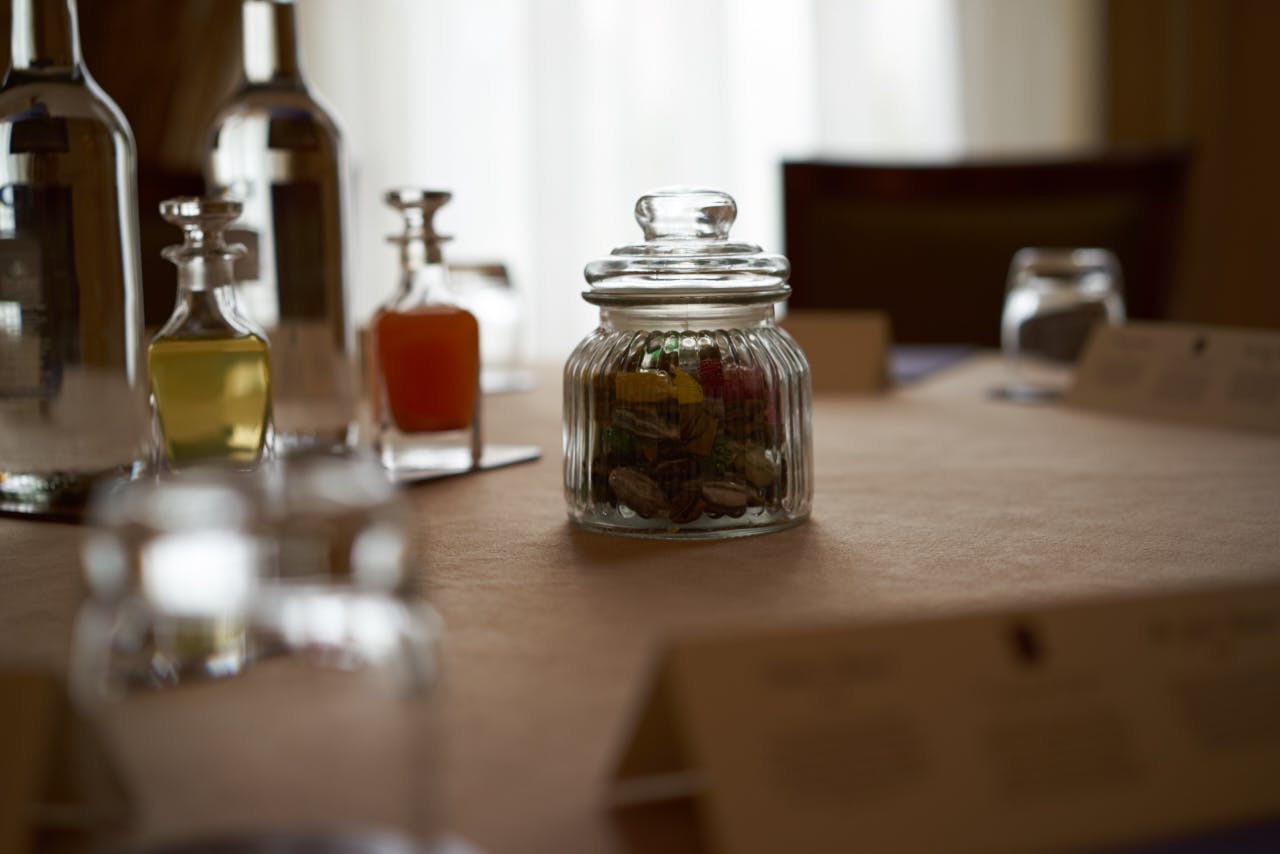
x=547 y=118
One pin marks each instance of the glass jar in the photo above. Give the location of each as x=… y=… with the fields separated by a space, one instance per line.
x=687 y=411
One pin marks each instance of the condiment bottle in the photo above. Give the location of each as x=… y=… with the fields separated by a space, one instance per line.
x=687 y=411
x=425 y=354
x=210 y=366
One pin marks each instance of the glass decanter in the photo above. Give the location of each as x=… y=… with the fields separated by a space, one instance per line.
x=210 y=367
x=72 y=394
x=687 y=411
x=278 y=150
x=425 y=357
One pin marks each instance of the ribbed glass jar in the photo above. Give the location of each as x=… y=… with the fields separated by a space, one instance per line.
x=687 y=411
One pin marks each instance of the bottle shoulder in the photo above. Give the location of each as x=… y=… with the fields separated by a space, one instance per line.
x=259 y=103
x=206 y=315
x=62 y=98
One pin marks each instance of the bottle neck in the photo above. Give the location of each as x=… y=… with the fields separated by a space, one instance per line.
x=205 y=303
x=203 y=274
x=45 y=38
x=423 y=275
x=270 y=43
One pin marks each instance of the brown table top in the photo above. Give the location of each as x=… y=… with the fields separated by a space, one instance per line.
x=930 y=500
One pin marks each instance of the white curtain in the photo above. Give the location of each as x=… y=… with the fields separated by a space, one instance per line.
x=547 y=118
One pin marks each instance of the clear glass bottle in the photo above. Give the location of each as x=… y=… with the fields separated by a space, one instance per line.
x=425 y=359
x=72 y=395
x=210 y=367
x=486 y=291
x=278 y=150
x=687 y=411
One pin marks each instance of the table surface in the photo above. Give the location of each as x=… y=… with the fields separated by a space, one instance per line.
x=934 y=499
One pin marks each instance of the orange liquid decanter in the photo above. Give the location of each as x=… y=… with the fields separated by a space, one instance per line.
x=425 y=354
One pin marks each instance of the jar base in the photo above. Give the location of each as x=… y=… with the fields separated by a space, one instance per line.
x=646 y=529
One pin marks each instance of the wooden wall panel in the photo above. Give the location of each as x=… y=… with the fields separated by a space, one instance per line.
x=1204 y=72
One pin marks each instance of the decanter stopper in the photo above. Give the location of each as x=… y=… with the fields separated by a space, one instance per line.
x=203 y=223
x=418 y=208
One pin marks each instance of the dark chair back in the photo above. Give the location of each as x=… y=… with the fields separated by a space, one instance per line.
x=931 y=244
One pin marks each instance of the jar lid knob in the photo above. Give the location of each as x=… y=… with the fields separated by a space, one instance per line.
x=686 y=213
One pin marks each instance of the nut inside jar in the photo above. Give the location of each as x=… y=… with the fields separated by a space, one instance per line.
x=684 y=432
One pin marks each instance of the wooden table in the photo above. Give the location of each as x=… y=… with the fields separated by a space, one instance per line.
x=931 y=500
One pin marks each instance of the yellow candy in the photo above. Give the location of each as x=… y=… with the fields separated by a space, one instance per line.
x=643 y=387
x=687 y=388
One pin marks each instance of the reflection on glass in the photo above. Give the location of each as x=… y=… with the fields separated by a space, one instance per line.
x=335 y=520
x=1054 y=300
x=72 y=401
x=185 y=554
x=485 y=290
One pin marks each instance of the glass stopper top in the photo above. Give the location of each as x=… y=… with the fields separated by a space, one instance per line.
x=203 y=222
x=418 y=209
x=687 y=256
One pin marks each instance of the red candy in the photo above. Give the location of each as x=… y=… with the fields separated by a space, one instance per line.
x=743 y=383
x=711 y=376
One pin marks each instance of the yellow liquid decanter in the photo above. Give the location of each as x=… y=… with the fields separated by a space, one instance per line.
x=210 y=367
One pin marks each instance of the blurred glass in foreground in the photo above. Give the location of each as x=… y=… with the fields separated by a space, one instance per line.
x=1055 y=298
x=337 y=521
x=243 y=710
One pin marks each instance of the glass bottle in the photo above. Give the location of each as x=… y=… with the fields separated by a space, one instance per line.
x=687 y=411
x=277 y=149
x=425 y=356
x=210 y=368
x=72 y=397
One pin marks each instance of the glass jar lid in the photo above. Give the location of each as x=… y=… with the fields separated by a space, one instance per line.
x=687 y=256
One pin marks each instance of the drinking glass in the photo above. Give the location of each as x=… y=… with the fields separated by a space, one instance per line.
x=243 y=712
x=1055 y=299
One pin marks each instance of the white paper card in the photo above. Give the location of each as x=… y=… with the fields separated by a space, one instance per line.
x=1199 y=374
